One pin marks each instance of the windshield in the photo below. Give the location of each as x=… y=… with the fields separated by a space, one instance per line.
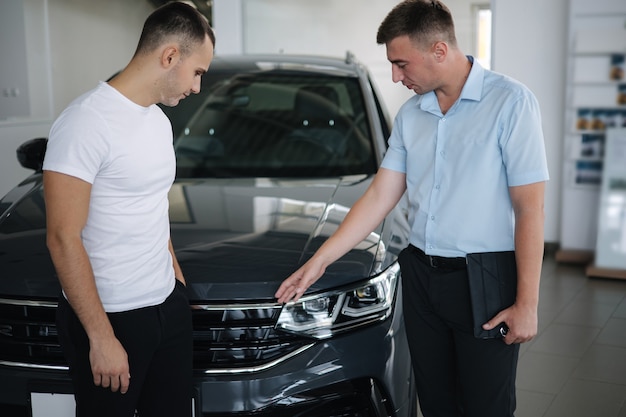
x=275 y=124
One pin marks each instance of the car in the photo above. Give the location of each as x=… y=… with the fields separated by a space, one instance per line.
x=271 y=155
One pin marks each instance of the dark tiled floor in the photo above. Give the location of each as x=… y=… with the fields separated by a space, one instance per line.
x=576 y=366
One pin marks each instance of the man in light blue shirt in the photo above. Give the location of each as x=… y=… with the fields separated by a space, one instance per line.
x=460 y=164
x=468 y=150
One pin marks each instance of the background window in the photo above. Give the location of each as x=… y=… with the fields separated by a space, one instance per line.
x=482 y=20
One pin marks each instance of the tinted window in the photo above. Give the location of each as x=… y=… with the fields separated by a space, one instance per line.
x=274 y=124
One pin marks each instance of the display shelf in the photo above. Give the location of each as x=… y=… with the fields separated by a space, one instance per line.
x=572 y=256
x=595 y=101
x=594 y=37
x=597 y=272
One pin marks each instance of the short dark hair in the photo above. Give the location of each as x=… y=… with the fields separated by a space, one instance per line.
x=424 y=21
x=174 y=19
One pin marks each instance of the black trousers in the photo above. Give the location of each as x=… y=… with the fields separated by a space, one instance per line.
x=456 y=373
x=158 y=341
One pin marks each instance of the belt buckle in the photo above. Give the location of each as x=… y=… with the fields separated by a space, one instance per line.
x=432 y=261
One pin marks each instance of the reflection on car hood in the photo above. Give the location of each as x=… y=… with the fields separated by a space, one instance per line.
x=236 y=239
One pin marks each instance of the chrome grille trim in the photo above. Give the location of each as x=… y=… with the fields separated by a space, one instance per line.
x=229 y=339
x=233 y=371
x=28 y=303
x=34 y=366
x=217 y=307
x=259 y=368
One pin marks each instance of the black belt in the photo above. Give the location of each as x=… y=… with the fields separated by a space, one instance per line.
x=439 y=261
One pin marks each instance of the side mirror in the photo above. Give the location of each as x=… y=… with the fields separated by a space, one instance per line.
x=30 y=153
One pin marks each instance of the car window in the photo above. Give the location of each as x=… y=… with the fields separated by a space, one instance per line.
x=276 y=124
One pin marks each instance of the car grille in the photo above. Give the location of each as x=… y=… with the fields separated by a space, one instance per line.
x=28 y=334
x=240 y=338
x=227 y=338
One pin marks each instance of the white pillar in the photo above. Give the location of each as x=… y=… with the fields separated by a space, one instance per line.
x=228 y=26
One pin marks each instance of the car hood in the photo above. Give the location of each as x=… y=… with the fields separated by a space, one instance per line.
x=235 y=239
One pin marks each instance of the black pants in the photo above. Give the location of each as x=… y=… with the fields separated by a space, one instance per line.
x=158 y=341
x=456 y=373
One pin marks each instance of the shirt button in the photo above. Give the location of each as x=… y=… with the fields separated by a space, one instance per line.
x=437 y=187
x=432 y=217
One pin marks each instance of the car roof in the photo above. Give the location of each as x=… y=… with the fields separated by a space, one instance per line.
x=347 y=66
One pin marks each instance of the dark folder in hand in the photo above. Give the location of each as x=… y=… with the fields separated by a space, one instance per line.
x=493 y=287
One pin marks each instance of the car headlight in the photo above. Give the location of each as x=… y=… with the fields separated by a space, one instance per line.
x=327 y=314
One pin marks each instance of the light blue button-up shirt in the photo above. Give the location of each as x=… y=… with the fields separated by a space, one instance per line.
x=459 y=165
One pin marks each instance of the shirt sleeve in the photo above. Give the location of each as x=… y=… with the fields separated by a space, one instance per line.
x=522 y=143
x=77 y=144
x=395 y=157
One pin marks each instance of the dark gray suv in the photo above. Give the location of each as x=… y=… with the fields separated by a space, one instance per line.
x=270 y=157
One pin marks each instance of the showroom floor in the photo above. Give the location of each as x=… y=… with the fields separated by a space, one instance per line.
x=576 y=366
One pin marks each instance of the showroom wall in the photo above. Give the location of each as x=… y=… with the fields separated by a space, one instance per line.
x=74 y=43
x=530 y=43
x=70 y=45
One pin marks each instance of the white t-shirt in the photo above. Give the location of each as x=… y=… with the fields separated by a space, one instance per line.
x=125 y=151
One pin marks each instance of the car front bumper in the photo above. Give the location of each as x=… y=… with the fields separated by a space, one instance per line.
x=365 y=372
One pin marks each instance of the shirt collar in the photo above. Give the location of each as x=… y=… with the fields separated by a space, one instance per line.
x=472 y=90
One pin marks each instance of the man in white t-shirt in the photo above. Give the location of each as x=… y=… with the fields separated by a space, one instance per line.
x=124 y=319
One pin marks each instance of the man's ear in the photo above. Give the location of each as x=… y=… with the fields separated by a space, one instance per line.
x=440 y=50
x=170 y=55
